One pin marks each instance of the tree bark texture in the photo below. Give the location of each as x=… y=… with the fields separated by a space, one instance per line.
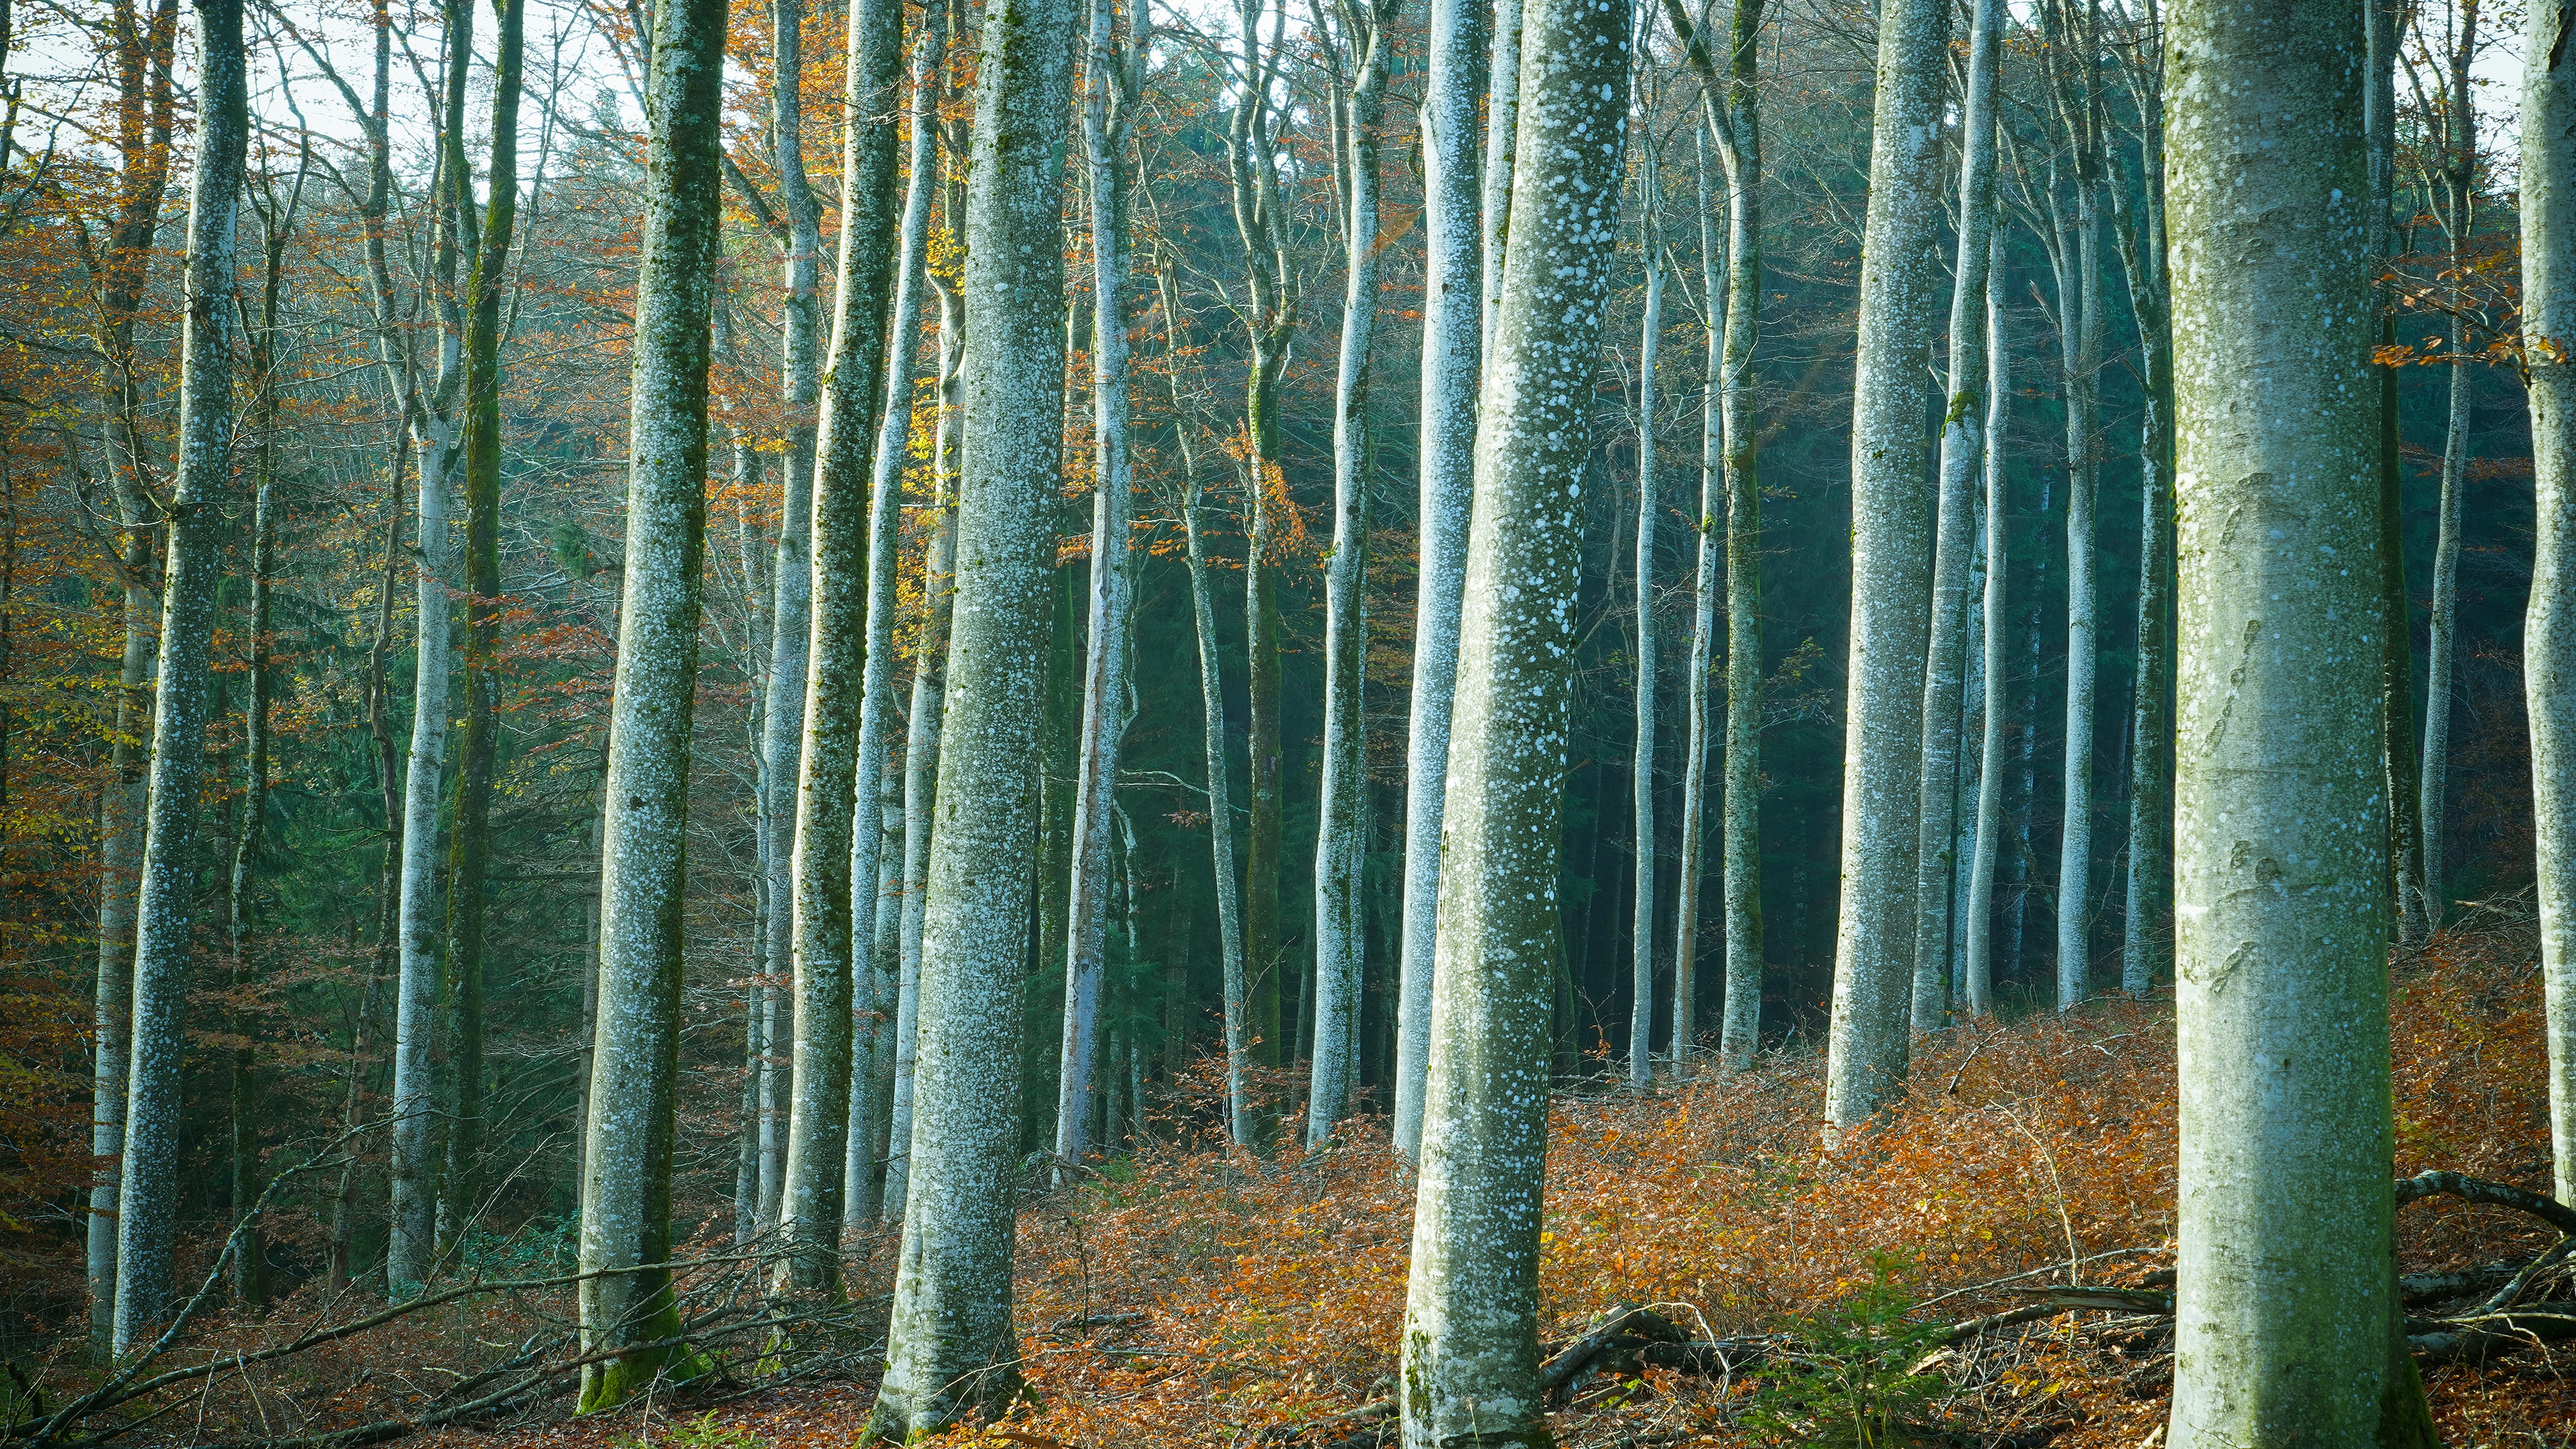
x=2549 y=629
x=1891 y=567
x=950 y=1341
x=1470 y=1356
x=626 y=1182
x=1977 y=976
x=1641 y=764
x=148 y=1199
x=2283 y=1312
x=1452 y=348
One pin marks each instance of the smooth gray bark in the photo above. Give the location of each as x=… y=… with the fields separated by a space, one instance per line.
x=2080 y=332
x=2548 y=206
x=1470 y=1356
x=2450 y=164
x=832 y=814
x=626 y=1167
x=148 y=1196
x=1341 y=835
x=1891 y=567
x=2283 y=1314
x=1641 y=764
x=1113 y=83
x=951 y=1348
x=1954 y=544
x=1452 y=347
x=1977 y=981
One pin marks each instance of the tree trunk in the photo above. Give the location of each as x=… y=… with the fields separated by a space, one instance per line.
x=877 y=830
x=470 y=837
x=2080 y=311
x=1977 y=982
x=1470 y=1364
x=2144 y=953
x=921 y=745
x=2549 y=630
x=1452 y=344
x=2453 y=171
x=1502 y=142
x=2397 y=676
x=1962 y=449
x=1641 y=769
x=951 y=1348
x=2280 y=852
x=147 y=1205
x=412 y=1162
x=1113 y=83
x=626 y=1183
x=1891 y=567
x=1341 y=836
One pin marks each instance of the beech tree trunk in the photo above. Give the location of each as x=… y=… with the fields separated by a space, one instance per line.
x=2281 y=849
x=1977 y=977
x=1954 y=544
x=2145 y=945
x=1113 y=82
x=626 y=1168
x=2452 y=171
x=2549 y=629
x=951 y=1349
x=1891 y=567
x=1452 y=345
x=2080 y=334
x=1470 y=1356
x=830 y=807
x=148 y=1198
x=470 y=836
x=1341 y=836
x=1641 y=765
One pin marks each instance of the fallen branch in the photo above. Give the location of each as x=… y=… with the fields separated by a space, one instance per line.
x=2494 y=1194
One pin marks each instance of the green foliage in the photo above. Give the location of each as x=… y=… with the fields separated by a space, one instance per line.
x=702 y=1432
x=543 y=1248
x=1850 y=1384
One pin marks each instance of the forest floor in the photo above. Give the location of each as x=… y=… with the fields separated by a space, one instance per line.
x=1189 y=1299
x=1203 y=1298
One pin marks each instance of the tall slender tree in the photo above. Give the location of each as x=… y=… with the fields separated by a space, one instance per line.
x=1954 y=542
x=2281 y=848
x=1341 y=841
x=630 y=1318
x=470 y=836
x=1452 y=346
x=1470 y=1365
x=1641 y=768
x=2549 y=632
x=1891 y=566
x=1113 y=82
x=1977 y=954
x=950 y=1343
x=829 y=804
x=148 y=1201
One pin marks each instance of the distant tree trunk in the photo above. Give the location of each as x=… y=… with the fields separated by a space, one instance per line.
x=876 y=849
x=2453 y=173
x=1502 y=142
x=1962 y=449
x=1734 y=123
x=2145 y=951
x=951 y=1349
x=1470 y=1358
x=2079 y=308
x=836 y=827
x=1977 y=982
x=2282 y=992
x=626 y=1183
x=147 y=1206
x=470 y=837
x=1891 y=567
x=1270 y=323
x=1341 y=838
x=2397 y=676
x=2549 y=632
x=411 y=1159
x=1240 y=1127
x=1452 y=344
x=1708 y=563
x=921 y=743
x=1114 y=81
x=1641 y=768
x=143 y=114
